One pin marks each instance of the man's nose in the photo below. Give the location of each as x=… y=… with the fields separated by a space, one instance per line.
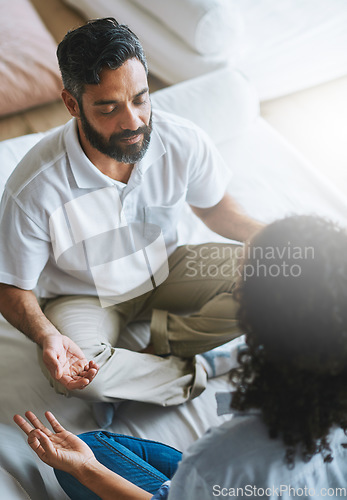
x=130 y=119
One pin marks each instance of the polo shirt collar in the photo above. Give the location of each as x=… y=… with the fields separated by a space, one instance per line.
x=86 y=174
x=156 y=150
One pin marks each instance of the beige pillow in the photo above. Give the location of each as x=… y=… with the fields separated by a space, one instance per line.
x=29 y=73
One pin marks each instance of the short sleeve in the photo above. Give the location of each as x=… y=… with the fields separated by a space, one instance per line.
x=24 y=246
x=208 y=176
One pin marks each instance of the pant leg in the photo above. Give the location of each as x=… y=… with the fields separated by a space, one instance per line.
x=214 y=325
x=200 y=276
x=132 y=458
x=123 y=374
x=194 y=311
x=162 y=457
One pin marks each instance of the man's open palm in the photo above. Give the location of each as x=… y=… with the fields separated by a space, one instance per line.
x=67 y=363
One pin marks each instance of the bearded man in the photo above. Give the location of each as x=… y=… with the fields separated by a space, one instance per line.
x=88 y=233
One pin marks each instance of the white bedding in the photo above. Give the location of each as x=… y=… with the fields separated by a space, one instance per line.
x=285 y=45
x=290 y=45
x=270 y=180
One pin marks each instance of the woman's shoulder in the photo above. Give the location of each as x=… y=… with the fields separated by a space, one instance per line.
x=221 y=458
x=239 y=423
x=241 y=454
x=242 y=434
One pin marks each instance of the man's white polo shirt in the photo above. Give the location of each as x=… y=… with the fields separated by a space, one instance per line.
x=62 y=221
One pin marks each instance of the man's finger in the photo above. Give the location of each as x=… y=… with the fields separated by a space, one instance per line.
x=55 y=356
x=74 y=383
x=53 y=364
x=78 y=381
x=91 y=366
x=90 y=373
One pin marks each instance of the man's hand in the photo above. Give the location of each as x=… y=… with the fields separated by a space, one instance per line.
x=60 y=449
x=64 y=359
x=227 y=219
x=67 y=363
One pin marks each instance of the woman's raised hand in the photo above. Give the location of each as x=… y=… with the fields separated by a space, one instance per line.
x=60 y=449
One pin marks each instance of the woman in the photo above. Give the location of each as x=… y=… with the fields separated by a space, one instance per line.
x=287 y=435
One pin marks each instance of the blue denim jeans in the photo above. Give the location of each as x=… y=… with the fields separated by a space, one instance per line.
x=147 y=464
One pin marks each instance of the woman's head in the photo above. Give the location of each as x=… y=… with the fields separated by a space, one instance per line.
x=293 y=293
x=293 y=308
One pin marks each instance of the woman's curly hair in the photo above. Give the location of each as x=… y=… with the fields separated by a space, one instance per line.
x=293 y=309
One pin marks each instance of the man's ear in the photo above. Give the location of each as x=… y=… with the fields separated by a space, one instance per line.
x=71 y=103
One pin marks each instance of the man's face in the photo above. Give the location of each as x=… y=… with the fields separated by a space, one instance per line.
x=115 y=115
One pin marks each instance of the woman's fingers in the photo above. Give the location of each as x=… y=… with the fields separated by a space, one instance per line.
x=34 y=442
x=23 y=424
x=54 y=422
x=37 y=423
x=45 y=443
x=41 y=444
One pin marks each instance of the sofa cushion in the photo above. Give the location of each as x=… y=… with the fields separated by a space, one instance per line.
x=223 y=103
x=207 y=26
x=12 y=151
x=168 y=56
x=29 y=72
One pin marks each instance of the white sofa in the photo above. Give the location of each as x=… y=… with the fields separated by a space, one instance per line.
x=270 y=180
x=281 y=46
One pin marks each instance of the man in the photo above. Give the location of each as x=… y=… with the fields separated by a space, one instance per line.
x=87 y=218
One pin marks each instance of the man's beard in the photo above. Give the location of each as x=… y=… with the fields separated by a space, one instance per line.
x=124 y=153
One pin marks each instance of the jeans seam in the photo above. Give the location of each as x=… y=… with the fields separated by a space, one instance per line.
x=129 y=460
x=141 y=440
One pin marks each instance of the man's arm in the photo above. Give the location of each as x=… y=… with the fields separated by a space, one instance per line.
x=226 y=218
x=63 y=358
x=21 y=309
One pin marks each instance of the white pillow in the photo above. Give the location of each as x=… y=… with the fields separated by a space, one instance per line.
x=207 y=26
x=12 y=151
x=223 y=103
x=168 y=56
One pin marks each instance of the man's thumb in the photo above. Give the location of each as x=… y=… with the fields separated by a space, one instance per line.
x=53 y=365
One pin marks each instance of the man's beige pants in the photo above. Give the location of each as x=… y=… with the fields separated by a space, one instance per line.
x=191 y=312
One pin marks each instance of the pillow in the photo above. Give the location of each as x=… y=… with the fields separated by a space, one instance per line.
x=223 y=103
x=207 y=26
x=29 y=72
x=12 y=151
x=168 y=56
